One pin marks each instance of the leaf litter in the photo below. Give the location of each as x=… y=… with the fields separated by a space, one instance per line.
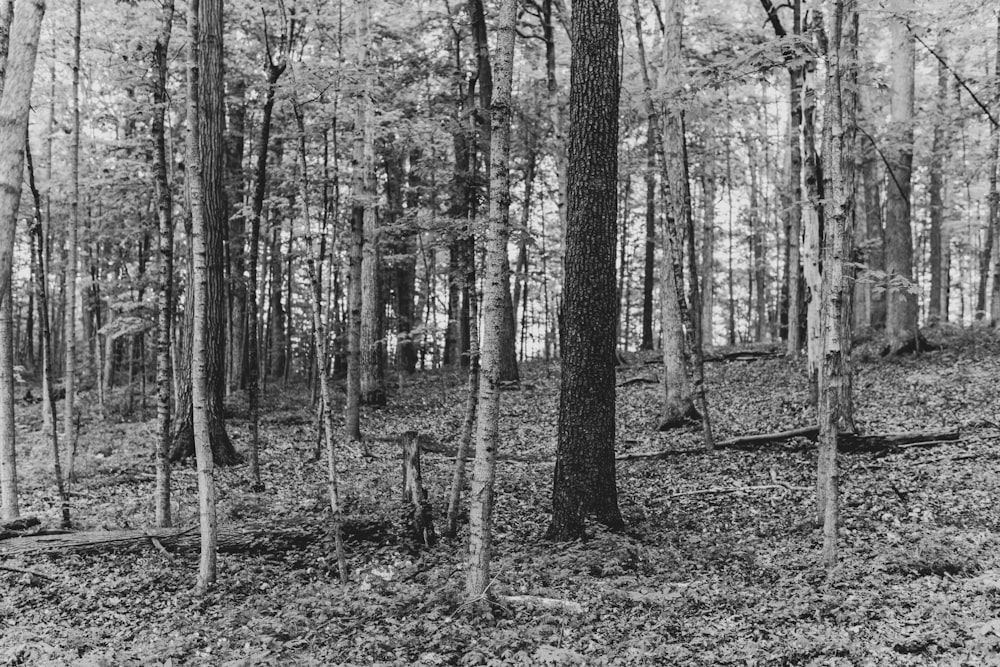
x=696 y=579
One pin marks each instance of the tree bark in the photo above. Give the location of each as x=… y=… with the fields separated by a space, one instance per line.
x=937 y=308
x=14 y=108
x=834 y=405
x=69 y=322
x=901 y=311
x=496 y=297
x=165 y=297
x=584 y=480
x=649 y=260
x=200 y=397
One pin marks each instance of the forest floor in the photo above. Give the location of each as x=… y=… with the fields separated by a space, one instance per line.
x=708 y=578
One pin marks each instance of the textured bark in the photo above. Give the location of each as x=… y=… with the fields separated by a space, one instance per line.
x=237 y=302
x=207 y=569
x=994 y=221
x=678 y=405
x=937 y=308
x=165 y=296
x=274 y=72
x=812 y=225
x=901 y=303
x=649 y=260
x=708 y=246
x=9 y=505
x=496 y=295
x=69 y=290
x=584 y=480
x=834 y=405
x=14 y=108
x=793 y=224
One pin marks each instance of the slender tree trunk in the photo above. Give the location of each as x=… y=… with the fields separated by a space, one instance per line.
x=834 y=412
x=584 y=479
x=496 y=297
x=649 y=260
x=48 y=399
x=994 y=211
x=9 y=506
x=936 y=309
x=69 y=326
x=274 y=72
x=708 y=245
x=237 y=302
x=901 y=312
x=200 y=346
x=678 y=405
x=165 y=299
x=794 y=221
x=812 y=225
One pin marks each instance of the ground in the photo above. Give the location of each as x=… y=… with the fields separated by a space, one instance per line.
x=710 y=578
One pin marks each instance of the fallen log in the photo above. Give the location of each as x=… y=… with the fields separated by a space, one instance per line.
x=641 y=379
x=261 y=537
x=745 y=355
x=851 y=443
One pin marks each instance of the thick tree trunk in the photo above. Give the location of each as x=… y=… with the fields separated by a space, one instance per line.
x=584 y=480
x=901 y=311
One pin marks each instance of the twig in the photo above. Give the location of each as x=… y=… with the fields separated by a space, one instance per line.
x=736 y=489
x=159 y=545
x=9 y=568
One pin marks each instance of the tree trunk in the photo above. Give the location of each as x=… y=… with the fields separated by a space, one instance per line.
x=994 y=221
x=584 y=480
x=237 y=303
x=901 y=312
x=678 y=405
x=69 y=323
x=708 y=246
x=200 y=346
x=25 y=24
x=834 y=412
x=649 y=260
x=937 y=309
x=496 y=295
x=812 y=224
x=165 y=297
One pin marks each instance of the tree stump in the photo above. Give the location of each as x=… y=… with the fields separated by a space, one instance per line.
x=419 y=516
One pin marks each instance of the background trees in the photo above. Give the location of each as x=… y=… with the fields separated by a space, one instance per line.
x=378 y=162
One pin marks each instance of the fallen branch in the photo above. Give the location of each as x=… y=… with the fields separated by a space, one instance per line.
x=9 y=568
x=543 y=603
x=663 y=454
x=638 y=380
x=736 y=489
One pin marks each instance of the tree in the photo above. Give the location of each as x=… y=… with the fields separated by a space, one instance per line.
x=69 y=330
x=901 y=306
x=834 y=406
x=212 y=157
x=200 y=391
x=584 y=480
x=496 y=302
x=678 y=405
x=165 y=315
x=15 y=100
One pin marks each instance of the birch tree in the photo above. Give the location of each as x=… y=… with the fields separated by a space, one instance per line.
x=496 y=297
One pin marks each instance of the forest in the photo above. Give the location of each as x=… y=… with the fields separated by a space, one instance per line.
x=499 y=332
